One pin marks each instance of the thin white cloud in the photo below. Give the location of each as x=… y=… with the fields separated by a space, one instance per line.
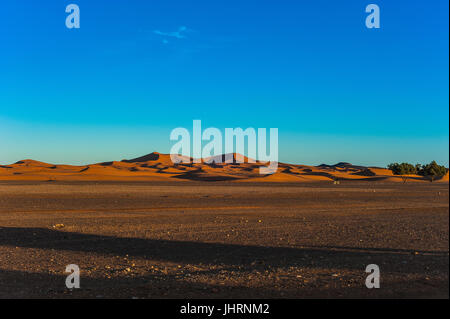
x=174 y=34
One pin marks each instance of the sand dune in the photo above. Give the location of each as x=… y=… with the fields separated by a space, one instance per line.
x=159 y=167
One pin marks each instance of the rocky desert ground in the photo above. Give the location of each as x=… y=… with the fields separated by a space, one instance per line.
x=225 y=239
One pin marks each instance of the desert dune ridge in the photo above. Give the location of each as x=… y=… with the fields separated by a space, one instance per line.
x=159 y=167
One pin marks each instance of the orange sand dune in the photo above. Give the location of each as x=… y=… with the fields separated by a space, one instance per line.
x=159 y=167
x=445 y=178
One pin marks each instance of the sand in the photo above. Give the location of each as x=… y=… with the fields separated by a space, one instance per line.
x=159 y=167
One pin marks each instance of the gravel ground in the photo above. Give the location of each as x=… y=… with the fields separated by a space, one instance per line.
x=224 y=240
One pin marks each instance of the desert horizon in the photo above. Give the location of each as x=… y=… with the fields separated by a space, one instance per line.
x=159 y=167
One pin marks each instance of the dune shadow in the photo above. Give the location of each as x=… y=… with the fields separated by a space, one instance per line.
x=107 y=163
x=146 y=158
x=195 y=176
x=364 y=172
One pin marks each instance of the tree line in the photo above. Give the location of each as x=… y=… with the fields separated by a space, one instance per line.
x=431 y=171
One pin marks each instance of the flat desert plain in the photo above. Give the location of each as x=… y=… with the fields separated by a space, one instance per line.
x=223 y=239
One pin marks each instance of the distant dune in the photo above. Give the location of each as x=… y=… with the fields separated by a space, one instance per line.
x=159 y=167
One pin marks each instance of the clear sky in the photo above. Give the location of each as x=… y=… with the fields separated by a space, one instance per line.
x=135 y=70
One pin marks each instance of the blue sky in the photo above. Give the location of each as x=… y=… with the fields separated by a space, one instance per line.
x=135 y=70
